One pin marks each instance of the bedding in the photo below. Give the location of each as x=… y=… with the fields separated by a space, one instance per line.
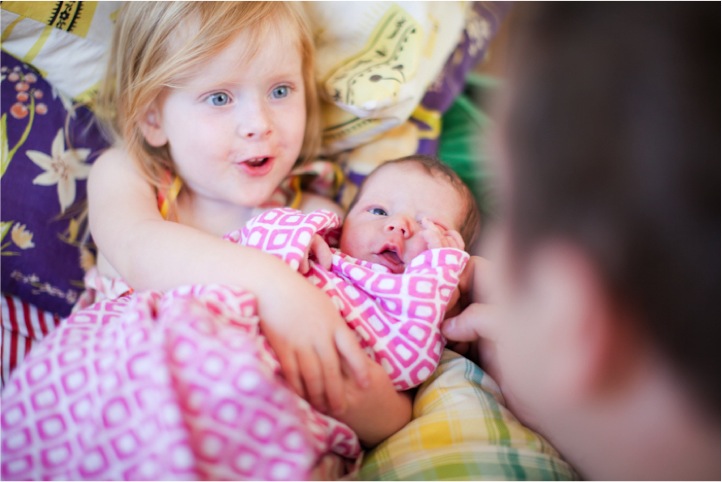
x=47 y=149
x=177 y=385
x=460 y=428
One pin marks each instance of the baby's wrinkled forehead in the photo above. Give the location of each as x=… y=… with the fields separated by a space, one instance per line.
x=396 y=179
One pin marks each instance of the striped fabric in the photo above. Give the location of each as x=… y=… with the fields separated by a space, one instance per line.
x=23 y=325
x=461 y=431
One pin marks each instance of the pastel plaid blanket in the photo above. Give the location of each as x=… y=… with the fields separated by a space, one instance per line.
x=461 y=430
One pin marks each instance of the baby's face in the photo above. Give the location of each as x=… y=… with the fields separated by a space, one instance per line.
x=384 y=226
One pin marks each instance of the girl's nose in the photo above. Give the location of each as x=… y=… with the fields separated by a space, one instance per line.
x=399 y=224
x=254 y=122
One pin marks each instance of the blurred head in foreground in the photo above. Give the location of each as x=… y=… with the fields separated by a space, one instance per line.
x=606 y=254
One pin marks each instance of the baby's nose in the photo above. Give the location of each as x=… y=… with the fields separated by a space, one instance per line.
x=401 y=225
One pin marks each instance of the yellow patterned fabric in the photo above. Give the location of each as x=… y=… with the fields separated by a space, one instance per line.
x=376 y=60
x=66 y=41
x=461 y=431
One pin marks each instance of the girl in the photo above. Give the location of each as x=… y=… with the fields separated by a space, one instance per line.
x=211 y=104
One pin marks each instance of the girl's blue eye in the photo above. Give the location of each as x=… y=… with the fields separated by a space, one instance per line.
x=378 y=212
x=280 y=92
x=219 y=99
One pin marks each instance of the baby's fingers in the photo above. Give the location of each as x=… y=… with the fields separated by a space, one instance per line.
x=323 y=254
x=321 y=251
x=432 y=234
x=437 y=238
x=304 y=265
x=454 y=239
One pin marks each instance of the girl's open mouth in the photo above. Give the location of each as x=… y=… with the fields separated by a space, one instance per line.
x=257 y=166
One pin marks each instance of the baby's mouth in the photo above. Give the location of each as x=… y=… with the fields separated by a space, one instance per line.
x=390 y=258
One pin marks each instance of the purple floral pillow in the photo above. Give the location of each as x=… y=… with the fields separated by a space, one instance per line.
x=47 y=149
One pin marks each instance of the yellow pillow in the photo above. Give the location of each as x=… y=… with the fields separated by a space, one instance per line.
x=460 y=430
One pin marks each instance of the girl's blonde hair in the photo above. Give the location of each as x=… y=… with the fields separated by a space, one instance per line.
x=158 y=44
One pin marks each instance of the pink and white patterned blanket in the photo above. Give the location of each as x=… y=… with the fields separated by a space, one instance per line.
x=396 y=316
x=182 y=384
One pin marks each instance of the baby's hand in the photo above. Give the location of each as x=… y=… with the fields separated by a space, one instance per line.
x=319 y=250
x=436 y=238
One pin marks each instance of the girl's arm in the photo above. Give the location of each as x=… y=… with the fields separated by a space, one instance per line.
x=301 y=323
x=377 y=412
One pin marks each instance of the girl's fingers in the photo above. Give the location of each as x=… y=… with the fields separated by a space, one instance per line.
x=313 y=379
x=355 y=358
x=332 y=381
x=289 y=366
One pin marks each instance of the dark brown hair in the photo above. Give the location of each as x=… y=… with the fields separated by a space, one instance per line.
x=611 y=132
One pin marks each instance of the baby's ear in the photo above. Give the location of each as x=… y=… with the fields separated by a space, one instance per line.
x=152 y=129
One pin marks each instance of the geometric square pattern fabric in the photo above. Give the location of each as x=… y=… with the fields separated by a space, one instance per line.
x=396 y=316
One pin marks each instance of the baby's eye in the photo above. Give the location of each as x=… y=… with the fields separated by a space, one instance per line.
x=219 y=99
x=281 y=91
x=378 y=212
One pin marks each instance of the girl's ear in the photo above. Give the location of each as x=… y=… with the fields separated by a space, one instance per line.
x=151 y=127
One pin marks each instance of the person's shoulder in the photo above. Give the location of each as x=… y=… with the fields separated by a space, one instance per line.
x=107 y=161
x=115 y=168
x=112 y=156
x=114 y=161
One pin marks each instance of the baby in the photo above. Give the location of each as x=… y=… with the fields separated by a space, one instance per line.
x=398 y=264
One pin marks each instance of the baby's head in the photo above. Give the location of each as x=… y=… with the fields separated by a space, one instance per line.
x=159 y=45
x=383 y=223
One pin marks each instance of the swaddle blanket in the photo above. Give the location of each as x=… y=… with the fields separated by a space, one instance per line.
x=179 y=385
x=396 y=316
x=182 y=384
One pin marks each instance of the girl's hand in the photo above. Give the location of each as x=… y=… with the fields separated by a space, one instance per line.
x=436 y=238
x=312 y=342
x=319 y=250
